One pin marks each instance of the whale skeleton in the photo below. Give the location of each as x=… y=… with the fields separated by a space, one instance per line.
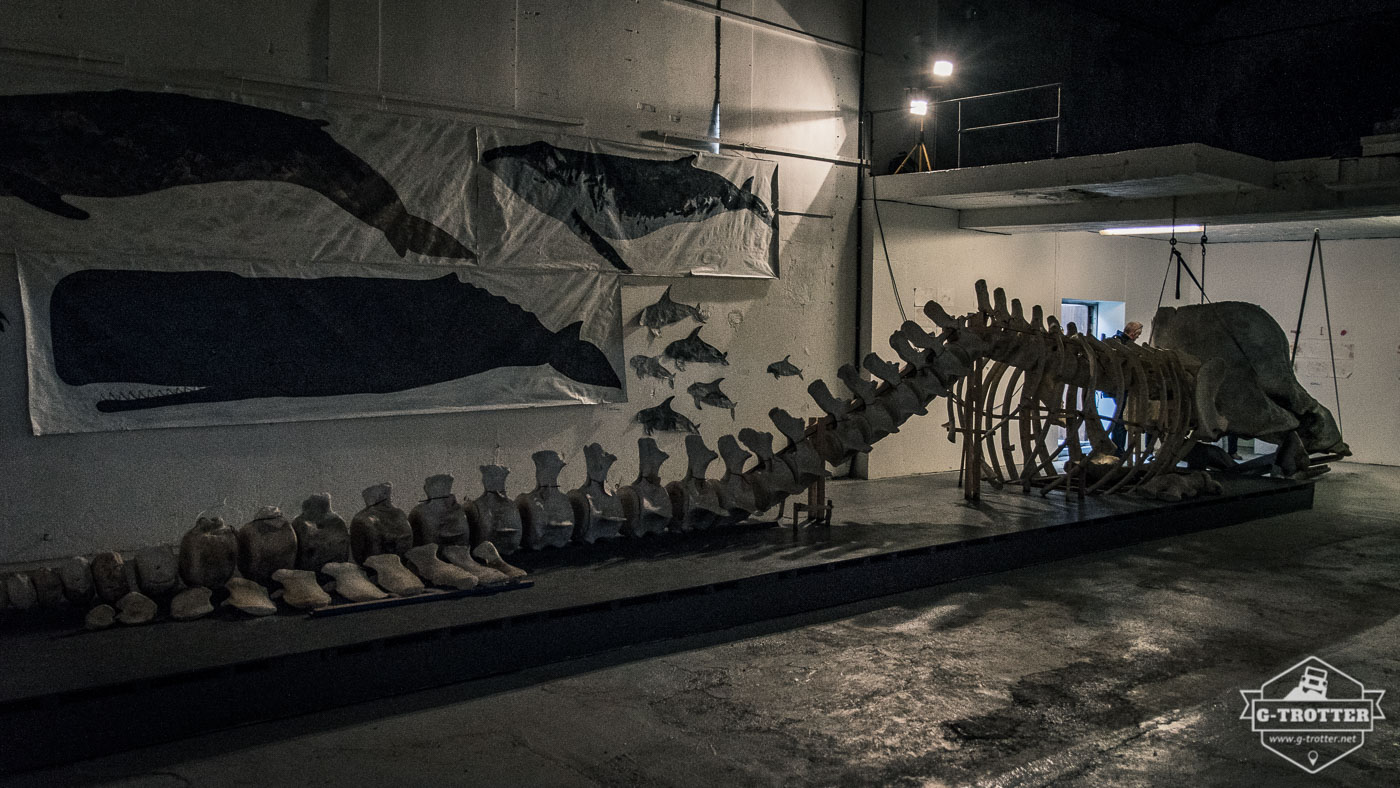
x=1008 y=382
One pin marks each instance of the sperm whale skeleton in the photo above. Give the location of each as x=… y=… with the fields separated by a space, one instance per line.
x=1008 y=382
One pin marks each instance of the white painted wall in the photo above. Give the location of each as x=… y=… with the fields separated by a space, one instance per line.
x=625 y=66
x=1363 y=279
x=932 y=256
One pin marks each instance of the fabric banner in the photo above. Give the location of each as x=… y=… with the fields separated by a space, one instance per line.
x=94 y=163
x=177 y=174
x=568 y=201
x=119 y=342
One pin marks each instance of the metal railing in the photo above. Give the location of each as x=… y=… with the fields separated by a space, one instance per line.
x=964 y=130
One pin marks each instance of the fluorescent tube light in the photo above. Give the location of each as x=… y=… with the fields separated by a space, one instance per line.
x=1159 y=230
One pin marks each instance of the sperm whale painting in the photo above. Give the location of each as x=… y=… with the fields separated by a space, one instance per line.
x=123 y=143
x=221 y=336
x=121 y=347
x=606 y=198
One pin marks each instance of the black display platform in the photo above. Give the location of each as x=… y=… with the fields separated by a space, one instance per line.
x=67 y=695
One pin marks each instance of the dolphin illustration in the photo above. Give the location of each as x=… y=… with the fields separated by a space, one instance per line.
x=695 y=349
x=710 y=394
x=666 y=311
x=214 y=336
x=603 y=196
x=664 y=418
x=651 y=367
x=784 y=368
x=120 y=143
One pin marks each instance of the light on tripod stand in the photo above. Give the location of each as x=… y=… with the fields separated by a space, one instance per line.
x=918 y=102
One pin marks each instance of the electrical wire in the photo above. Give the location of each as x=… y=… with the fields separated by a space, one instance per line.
x=894 y=285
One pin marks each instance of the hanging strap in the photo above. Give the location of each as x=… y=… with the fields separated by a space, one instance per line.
x=1307 y=280
x=1204 y=241
x=1316 y=253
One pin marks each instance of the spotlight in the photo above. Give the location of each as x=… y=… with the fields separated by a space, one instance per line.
x=918 y=102
x=943 y=68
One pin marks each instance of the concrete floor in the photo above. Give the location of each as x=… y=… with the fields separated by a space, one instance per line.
x=1121 y=668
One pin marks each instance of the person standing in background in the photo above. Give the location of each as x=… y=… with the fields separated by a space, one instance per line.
x=1119 y=434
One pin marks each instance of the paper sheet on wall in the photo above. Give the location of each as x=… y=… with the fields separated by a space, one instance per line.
x=90 y=165
x=569 y=201
x=1314 y=361
x=118 y=342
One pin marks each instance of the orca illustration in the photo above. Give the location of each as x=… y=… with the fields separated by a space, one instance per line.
x=602 y=196
x=214 y=336
x=120 y=143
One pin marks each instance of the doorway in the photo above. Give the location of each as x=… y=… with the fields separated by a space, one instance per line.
x=1098 y=319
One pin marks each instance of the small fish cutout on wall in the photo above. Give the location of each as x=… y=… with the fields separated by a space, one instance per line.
x=650 y=367
x=784 y=368
x=695 y=349
x=664 y=418
x=709 y=394
x=666 y=312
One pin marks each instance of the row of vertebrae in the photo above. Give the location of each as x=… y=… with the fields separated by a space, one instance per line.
x=301 y=559
x=852 y=425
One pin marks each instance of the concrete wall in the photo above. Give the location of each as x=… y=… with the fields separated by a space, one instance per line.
x=932 y=259
x=625 y=67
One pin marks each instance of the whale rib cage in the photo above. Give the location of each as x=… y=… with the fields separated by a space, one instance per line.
x=1009 y=382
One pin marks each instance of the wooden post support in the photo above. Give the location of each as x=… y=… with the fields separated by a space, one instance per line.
x=817 y=507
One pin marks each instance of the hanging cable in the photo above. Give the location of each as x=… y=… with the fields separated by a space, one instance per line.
x=1204 y=240
x=1172 y=255
x=1307 y=280
x=714 y=112
x=875 y=202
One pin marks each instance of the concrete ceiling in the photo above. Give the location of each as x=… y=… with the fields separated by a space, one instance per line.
x=1238 y=197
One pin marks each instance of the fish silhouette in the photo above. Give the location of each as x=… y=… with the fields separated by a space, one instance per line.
x=666 y=312
x=650 y=367
x=605 y=197
x=120 y=143
x=214 y=336
x=784 y=368
x=664 y=418
x=693 y=348
x=709 y=394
